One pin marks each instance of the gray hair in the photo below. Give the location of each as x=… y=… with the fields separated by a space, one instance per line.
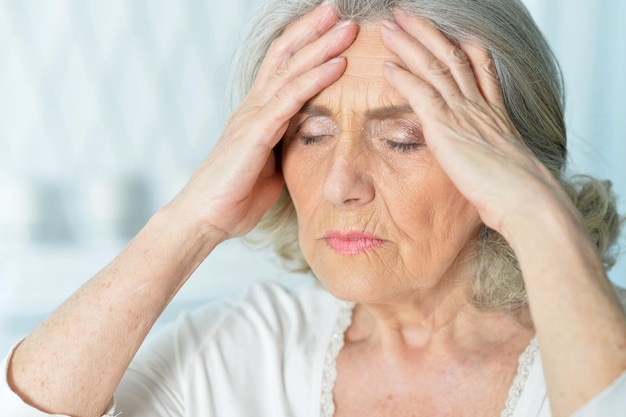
x=533 y=91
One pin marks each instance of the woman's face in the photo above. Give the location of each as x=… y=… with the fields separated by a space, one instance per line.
x=378 y=219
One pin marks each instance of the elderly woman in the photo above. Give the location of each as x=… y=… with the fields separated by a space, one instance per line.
x=419 y=147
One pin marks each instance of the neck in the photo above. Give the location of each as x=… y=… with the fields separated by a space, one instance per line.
x=441 y=319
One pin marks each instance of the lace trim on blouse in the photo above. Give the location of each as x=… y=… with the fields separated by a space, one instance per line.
x=344 y=320
x=330 y=360
x=526 y=361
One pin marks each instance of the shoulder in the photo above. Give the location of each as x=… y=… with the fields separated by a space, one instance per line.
x=270 y=336
x=266 y=315
x=267 y=337
x=268 y=306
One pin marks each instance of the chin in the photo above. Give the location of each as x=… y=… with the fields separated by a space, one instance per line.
x=361 y=285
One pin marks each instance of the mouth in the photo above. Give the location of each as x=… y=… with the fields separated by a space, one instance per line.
x=352 y=243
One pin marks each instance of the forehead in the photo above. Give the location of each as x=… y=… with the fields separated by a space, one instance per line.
x=362 y=85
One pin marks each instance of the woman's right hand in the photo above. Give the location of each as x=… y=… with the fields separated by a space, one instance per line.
x=238 y=182
x=225 y=197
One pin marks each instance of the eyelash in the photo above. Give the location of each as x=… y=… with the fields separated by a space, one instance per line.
x=396 y=146
x=311 y=140
x=403 y=147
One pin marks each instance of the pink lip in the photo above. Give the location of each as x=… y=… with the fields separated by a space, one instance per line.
x=352 y=243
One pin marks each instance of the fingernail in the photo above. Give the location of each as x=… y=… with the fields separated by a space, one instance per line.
x=336 y=60
x=390 y=24
x=343 y=24
x=325 y=3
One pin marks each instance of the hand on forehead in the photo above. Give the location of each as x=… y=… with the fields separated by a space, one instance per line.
x=362 y=86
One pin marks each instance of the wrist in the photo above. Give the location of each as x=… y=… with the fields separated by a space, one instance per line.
x=183 y=229
x=170 y=247
x=549 y=231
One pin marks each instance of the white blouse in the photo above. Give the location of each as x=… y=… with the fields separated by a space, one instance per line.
x=272 y=353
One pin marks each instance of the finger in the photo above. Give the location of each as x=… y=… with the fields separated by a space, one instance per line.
x=289 y=99
x=296 y=35
x=330 y=45
x=419 y=60
x=486 y=74
x=425 y=100
x=448 y=55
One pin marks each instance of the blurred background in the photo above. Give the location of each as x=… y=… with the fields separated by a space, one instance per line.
x=107 y=106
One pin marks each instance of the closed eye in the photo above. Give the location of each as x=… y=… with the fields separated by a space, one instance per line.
x=401 y=135
x=404 y=147
x=311 y=140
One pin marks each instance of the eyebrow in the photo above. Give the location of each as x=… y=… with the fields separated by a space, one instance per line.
x=377 y=113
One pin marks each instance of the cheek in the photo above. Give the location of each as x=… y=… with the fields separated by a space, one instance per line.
x=294 y=169
x=456 y=219
x=456 y=210
x=435 y=212
x=303 y=183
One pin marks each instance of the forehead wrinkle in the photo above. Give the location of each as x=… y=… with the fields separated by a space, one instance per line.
x=343 y=98
x=362 y=91
x=377 y=113
x=370 y=66
x=368 y=53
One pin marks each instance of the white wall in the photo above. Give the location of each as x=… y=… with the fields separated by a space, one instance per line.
x=589 y=40
x=107 y=106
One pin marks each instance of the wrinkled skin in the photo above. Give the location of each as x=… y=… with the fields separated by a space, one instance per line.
x=355 y=159
x=454 y=160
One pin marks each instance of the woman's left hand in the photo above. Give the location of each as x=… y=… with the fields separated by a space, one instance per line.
x=456 y=95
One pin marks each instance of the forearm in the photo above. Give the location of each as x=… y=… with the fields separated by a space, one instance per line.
x=72 y=363
x=579 y=321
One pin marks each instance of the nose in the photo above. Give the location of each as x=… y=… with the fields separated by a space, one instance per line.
x=348 y=180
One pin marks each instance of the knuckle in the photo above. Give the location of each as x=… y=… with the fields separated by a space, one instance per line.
x=278 y=47
x=319 y=31
x=457 y=57
x=283 y=94
x=427 y=91
x=282 y=70
x=489 y=67
x=438 y=69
